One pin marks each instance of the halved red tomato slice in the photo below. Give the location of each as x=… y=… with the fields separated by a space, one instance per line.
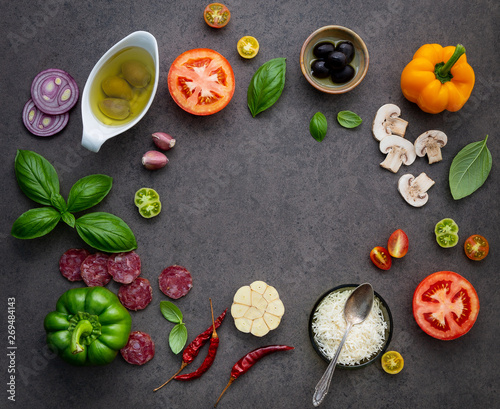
x=201 y=81
x=476 y=247
x=445 y=305
x=381 y=258
x=398 y=244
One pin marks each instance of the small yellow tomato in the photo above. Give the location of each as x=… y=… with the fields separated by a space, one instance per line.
x=248 y=47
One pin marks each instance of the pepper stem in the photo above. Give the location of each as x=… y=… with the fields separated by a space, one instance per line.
x=442 y=70
x=231 y=380
x=184 y=364
x=82 y=328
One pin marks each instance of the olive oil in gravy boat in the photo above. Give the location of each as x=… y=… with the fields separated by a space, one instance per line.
x=95 y=133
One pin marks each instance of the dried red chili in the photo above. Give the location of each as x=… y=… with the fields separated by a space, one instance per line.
x=209 y=359
x=249 y=360
x=193 y=349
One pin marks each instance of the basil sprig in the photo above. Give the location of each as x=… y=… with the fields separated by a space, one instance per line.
x=266 y=85
x=178 y=334
x=318 y=126
x=38 y=179
x=470 y=169
x=348 y=119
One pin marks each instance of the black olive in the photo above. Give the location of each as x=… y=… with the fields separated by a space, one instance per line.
x=344 y=75
x=319 y=70
x=321 y=50
x=335 y=60
x=346 y=47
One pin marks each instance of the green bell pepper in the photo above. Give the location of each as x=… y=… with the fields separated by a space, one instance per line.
x=89 y=326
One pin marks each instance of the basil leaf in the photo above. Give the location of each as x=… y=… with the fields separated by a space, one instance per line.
x=68 y=218
x=106 y=232
x=36 y=177
x=318 y=126
x=266 y=85
x=35 y=223
x=171 y=312
x=88 y=191
x=177 y=338
x=348 y=119
x=470 y=169
x=57 y=201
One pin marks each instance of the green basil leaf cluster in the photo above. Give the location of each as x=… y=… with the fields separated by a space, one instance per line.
x=470 y=169
x=266 y=85
x=348 y=119
x=38 y=179
x=318 y=126
x=178 y=334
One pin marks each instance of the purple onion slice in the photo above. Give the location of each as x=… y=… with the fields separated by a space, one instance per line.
x=54 y=91
x=40 y=123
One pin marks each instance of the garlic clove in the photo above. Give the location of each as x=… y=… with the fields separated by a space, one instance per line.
x=153 y=160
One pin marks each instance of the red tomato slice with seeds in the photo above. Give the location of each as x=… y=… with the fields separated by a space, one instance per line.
x=381 y=258
x=476 y=247
x=201 y=81
x=445 y=305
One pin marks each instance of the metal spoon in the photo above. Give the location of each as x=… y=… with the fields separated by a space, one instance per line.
x=357 y=307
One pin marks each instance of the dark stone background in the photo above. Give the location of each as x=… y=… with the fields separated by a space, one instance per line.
x=249 y=199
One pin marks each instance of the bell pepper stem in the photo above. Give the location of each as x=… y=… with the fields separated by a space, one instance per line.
x=442 y=70
x=84 y=327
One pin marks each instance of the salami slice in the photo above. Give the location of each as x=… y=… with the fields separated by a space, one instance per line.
x=140 y=348
x=70 y=262
x=94 y=270
x=175 y=281
x=124 y=267
x=137 y=295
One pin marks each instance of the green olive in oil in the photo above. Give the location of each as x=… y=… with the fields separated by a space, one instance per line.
x=123 y=86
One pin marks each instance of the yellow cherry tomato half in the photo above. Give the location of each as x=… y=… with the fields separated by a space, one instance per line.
x=248 y=47
x=392 y=362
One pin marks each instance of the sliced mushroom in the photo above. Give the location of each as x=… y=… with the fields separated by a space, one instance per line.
x=398 y=150
x=387 y=122
x=414 y=189
x=430 y=143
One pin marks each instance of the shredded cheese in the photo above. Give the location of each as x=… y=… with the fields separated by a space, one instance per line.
x=364 y=340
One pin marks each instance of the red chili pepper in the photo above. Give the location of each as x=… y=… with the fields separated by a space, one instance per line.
x=193 y=349
x=246 y=362
x=209 y=359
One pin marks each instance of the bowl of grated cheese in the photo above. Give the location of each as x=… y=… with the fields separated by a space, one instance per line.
x=365 y=342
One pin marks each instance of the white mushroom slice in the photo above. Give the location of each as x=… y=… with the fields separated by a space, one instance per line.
x=259 y=327
x=239 y=310
x=271 y=320
x=243 y=324
x=253 y=313
x=430 y=143
x=270 y=294
x=259 y=286
x=387 y=122
x=398 y=150
x=243 y=296
x=414 y=189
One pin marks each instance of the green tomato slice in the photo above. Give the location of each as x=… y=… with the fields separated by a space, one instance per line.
x=446 y=231
x=148 y=202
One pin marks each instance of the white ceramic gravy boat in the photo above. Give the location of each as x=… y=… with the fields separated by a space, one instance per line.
x=95 y=133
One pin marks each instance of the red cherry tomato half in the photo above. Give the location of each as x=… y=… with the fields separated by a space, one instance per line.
x=398 y=244
x=445 y=305
x=201 y=81
x=381 y=258
x=476 y=247
x=216 y=15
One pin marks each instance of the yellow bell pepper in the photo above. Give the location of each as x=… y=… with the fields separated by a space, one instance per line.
x=438 y=78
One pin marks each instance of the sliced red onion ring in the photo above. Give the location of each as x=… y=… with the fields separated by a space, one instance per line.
x=54 y=91
x=41 y=124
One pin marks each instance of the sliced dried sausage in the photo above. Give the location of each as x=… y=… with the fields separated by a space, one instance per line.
x=175 y=281
x=94 y=270
x=136 y=295
x=140 y=348
x=70 y=262
x=124 y=267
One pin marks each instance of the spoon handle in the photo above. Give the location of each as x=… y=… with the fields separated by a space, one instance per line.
x=324 y=383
